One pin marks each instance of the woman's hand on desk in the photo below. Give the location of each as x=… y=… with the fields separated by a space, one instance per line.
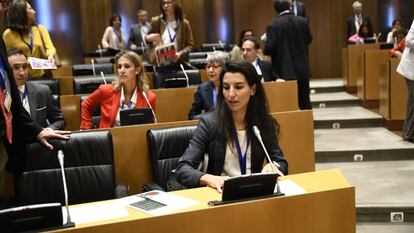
x=213 y=181
x=268 y=169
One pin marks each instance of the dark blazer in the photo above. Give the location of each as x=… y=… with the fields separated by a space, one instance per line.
x=266 y=68
x=350 y=25
x=43 y=107
x=206 y=140
x=135 y=36
x=288 y=37
x=203 y=100
x=24 y=128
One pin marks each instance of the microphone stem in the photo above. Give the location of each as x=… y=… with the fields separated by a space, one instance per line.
x=268 y=157
x=66 y=192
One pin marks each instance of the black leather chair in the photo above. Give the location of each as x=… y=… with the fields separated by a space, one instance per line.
x=87 y=69
x=89 y=168
x=197 y=55
x=53 y=85
x=208 y=47
x=199 y=63
x=88 y=84
x=103 y=60
x=165 y=147
x=172 y=79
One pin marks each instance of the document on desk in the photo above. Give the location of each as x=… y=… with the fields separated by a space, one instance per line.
x=289 y=188
x=95 y=212
x=157 y=202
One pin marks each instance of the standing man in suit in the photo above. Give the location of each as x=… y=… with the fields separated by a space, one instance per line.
x=139 y=31
x=354 y=22
x=250 y=48
x=288 y=37
x=37 y=99
x=299 y=9
x=16 y=126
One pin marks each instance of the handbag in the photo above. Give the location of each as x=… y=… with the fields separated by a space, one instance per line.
x=43 y=51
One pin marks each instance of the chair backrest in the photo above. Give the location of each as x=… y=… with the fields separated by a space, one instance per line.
x=197 y=55
x=88 y=84
x=53 y=84
x=208 y=47
x=87 y=69
x=174 y=79
x=103 y=60
x=165 y=147
x=89 y=168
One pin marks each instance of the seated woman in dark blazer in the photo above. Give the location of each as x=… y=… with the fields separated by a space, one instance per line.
x=129 y=91
x=226 y=134
x=205 y=97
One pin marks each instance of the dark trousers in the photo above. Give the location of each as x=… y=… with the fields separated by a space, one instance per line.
x=408 y=128
x=303 y=94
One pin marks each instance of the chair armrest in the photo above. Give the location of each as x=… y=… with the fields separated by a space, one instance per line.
x=151 y=186
x=121 y=190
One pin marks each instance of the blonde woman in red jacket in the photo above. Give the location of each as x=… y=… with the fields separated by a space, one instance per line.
x=126 y=92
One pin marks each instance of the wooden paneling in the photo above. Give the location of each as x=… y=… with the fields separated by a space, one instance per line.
x=373 y=59
x=398 y=92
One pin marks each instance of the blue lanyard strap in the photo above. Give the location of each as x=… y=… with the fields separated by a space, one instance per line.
x=214 y=96
x=30 y=45
x=2 y=75
x=128 y=105
x=172 y=38
x=242 y=158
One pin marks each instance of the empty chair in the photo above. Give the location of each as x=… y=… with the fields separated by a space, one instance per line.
x=208 y=47
x=88 y=84
x=102 y=60
x=89 y=168
x=165 y=147
x=88 y=69
x=197 y=55
x=174 y=79
x=199 y=63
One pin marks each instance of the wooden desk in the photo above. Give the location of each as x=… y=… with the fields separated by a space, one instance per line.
x=353 y=64
x=393 y=94
x=368 y=84
x=329 y=206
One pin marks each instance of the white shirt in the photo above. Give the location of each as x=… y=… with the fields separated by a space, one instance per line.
x=170 y=36
x=358 y=22
x=258 y=70
x=25 y=100
x=144 y=28
x=123 y=105
x=231 y=162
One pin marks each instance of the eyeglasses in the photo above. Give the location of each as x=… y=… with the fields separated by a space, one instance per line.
x=214 y=67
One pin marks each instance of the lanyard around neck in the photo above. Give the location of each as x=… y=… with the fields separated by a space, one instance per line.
x=172 y=38
x=30 y=43
x=242 y=157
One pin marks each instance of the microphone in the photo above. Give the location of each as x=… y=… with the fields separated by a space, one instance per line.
x=65 y=188
x=100 y=50
x=93 y=67
x=256 y=132
x=152 y=110
x=185 y=74
x=103 y=77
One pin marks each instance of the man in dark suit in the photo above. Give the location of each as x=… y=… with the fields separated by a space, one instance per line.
x=354 y=22
x=299 y=9
x=139 y=31
x=250 y=49
x=37 y=99
x=288 y=37
x=16 y=126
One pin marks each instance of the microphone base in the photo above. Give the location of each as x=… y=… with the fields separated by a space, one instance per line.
x=68 y=224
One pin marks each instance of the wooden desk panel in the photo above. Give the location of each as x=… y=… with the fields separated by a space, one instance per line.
x=282 y=96
x=398 y=92
x=329 y=206
x=384 y=89
x=174 y=104
x=71 y=107
x=368 y=87
x=64 y=70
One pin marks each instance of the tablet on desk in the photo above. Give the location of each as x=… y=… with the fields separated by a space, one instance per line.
x=248 y=187
x=136 y=116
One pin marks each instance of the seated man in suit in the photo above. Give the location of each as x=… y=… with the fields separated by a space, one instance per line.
x=37 y=99
x=250 y=48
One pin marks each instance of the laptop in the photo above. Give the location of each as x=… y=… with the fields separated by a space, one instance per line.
x=248 y=187
x=136 y=116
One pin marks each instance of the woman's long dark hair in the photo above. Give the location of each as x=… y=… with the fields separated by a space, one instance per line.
x=178 y=11
x=17 y=17
x=257 y=112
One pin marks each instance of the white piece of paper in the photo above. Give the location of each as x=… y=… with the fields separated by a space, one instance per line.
x=95 y=212
x=289 y=188
x=38 y=63
x=157 y=202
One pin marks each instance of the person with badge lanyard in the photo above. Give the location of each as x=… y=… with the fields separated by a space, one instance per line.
x=171 y=27
x=25 y=34
x=226 y=134
x=205 y=98
x=131 y=90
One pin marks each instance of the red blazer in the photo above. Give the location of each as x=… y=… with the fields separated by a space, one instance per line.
x=109 y=101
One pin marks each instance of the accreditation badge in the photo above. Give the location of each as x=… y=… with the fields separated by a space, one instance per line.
x=7 y=101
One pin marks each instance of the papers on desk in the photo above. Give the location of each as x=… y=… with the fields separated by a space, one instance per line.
x=157 y=202
x=37 y=64
x=289 y=188
x=95 y=212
